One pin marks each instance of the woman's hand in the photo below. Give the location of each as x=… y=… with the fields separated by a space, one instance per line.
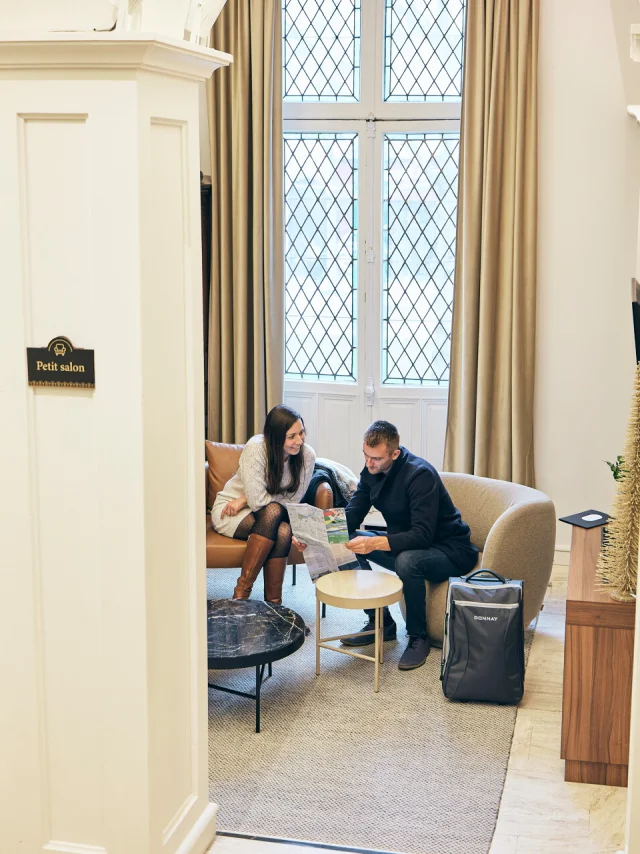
x=232 y=508
x=296 y=542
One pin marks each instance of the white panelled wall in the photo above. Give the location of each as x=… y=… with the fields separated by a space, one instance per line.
x=336 y=421
x=589 y=154
x=103 y=717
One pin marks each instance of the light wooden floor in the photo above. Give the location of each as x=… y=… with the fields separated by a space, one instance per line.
x=539 y=812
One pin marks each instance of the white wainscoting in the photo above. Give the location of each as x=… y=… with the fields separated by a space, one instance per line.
x=336 y=417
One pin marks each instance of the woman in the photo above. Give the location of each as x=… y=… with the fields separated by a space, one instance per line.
x=275 y=467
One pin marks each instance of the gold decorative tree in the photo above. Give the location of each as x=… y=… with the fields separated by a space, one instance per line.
x=618 y=564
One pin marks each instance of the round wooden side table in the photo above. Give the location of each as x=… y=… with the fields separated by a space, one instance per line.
x=356 y=589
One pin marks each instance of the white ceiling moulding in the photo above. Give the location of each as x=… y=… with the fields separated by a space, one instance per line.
x=188 y=20
x=52 y=15
x=635 y=42
x=634 y=109
x=125 y=51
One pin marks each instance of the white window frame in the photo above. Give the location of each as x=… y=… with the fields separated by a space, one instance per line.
x=339 y=126
x=371 y=117
x=372 y=104
x=382 y=128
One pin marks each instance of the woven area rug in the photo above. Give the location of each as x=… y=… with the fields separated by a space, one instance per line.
x=403 y=770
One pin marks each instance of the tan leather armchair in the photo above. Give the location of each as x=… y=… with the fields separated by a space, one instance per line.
x=224 y=552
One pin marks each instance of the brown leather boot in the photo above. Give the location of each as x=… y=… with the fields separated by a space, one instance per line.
x=273 y=577
x=324 y=497
x=258 y=549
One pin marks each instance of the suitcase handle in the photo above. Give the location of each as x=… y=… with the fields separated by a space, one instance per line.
x=485 y=572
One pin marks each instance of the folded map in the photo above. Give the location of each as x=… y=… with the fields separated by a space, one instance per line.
x=325 y=534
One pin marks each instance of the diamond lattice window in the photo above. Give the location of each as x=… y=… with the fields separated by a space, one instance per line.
x=321 y=50
x=423 y=50
x=419 y=220
x=321 y=228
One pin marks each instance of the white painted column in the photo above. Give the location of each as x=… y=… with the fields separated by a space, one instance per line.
x=633 y=794
x=103 y=701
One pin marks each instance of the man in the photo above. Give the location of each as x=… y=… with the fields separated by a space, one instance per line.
x=426 y=538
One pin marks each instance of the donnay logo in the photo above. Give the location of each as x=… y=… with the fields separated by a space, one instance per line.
x=489 y=619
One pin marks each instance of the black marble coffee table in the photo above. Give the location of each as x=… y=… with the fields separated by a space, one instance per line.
x=248 y=633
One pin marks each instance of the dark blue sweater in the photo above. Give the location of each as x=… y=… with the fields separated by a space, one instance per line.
x=417 y=508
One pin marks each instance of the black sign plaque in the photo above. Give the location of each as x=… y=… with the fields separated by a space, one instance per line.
x=61 y=364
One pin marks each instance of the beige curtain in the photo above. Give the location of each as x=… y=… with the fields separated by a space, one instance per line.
x=490 y=421
x=246 y=312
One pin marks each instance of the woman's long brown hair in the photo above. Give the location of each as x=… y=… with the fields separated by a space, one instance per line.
x=276 y=427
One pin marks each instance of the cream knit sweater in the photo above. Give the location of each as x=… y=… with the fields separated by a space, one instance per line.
x=250 y=480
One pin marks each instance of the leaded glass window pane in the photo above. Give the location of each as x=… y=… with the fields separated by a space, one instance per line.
x=321 y=50
x=419 y=221
x=321 y=254
x=423 y=50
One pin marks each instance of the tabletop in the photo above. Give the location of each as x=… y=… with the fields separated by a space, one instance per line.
x=246 y=632
x=359 y=588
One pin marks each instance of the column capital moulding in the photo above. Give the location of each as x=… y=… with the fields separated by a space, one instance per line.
x=108 y=52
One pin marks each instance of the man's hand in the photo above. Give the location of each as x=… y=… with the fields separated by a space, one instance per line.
x=296 y=542
x=232 y=508
x=366 y=545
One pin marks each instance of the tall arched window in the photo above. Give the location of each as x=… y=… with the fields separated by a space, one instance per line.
x=372 y=92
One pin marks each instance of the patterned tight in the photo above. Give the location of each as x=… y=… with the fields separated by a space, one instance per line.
x=271 y=522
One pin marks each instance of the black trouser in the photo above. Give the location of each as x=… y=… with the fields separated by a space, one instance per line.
x=415 y=567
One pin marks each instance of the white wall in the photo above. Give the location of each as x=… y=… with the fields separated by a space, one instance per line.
x=205 y=148
x=589 y=177
x=588 y=206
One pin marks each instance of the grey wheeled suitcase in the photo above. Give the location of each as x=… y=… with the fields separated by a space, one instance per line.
x=483 y=649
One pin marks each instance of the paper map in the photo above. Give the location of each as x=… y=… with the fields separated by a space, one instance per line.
x=325 y=534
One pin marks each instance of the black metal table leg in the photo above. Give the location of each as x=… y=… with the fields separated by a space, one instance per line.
x=258 y=685
x=260 y=678
x=237 y=640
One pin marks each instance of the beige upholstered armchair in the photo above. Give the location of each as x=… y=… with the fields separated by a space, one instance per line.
x=514 y=527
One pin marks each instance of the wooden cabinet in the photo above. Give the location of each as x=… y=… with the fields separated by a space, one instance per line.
x=598 y=661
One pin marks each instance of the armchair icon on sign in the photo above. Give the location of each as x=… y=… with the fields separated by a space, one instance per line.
x=59 y=349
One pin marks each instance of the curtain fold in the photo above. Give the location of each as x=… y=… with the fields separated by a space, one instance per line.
x=246 y=307
x=490 y=416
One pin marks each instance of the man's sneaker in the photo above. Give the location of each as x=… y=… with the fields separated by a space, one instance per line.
x=415 y=654
x=365 y=640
